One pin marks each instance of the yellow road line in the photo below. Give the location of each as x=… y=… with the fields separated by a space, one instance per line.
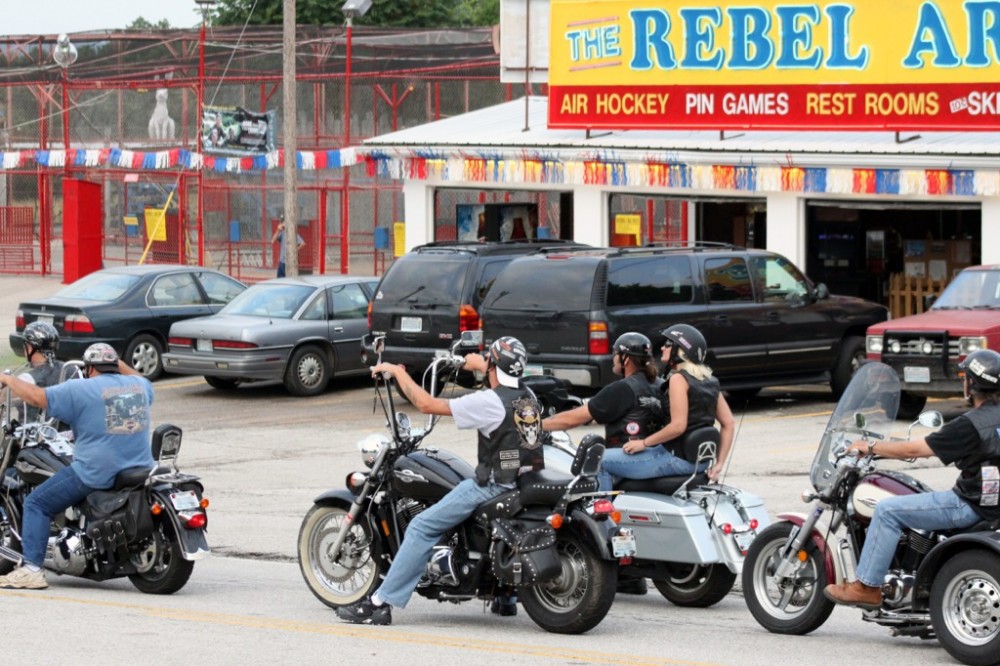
x=389 y=634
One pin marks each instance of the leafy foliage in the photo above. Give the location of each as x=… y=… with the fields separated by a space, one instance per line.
x=385 y=13
x=142 y=24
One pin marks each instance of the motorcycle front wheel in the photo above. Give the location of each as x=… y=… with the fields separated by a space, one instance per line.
x=8 y=537
x=355 y=575
x=794 y=605
x=579 y=597
x=696 y=585
x=965 y=596
x=162 y=567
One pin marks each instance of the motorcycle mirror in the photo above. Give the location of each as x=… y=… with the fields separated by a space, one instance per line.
x=403 y=421
x=860 y=420
x=931 y=419
x=471 y=340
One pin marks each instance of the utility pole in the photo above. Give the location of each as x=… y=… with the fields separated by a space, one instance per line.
x=288 y=126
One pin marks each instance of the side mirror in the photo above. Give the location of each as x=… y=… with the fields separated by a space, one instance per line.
x=471 y=340
x=821 y=292
x=932 y=419
x=859 y=420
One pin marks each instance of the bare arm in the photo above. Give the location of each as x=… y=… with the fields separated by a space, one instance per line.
x=126 y=369
x=571 y=418
x=917 y=448
x=28 y=392
x=418 y=397
x=727 y=429
x=277 y=232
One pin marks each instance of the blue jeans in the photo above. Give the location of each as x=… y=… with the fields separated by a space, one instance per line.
x=424 y=533
x=654 y=462
x=57 y=494
x=923 y=511
x=281 y=269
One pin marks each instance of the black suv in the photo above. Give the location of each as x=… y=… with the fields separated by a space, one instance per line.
x=433 y=293
x=765 y=323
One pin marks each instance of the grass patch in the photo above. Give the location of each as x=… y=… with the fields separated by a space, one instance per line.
x=9 y=360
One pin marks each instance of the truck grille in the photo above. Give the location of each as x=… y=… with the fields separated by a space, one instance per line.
x=919 y=344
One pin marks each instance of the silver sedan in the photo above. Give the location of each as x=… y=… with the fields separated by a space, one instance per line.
x=300 y=330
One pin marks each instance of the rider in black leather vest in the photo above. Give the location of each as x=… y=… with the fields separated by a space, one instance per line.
x=643 y=419
x=703 y=397
x=516 y=443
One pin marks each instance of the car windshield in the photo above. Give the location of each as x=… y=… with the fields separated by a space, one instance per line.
x=104 y=287
x=279 y=301
x=971 y=290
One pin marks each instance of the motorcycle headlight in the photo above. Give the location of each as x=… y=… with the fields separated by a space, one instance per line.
x=371 y=446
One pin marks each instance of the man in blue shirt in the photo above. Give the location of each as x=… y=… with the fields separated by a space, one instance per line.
x=110 y=418
x=279 y=235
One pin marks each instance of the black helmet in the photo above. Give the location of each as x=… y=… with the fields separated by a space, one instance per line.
x=508 y=356
x=635 y=345
x=983 y=369
x=687 y=339
x=43 y=336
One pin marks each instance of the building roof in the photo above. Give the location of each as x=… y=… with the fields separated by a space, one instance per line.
x=501 y=130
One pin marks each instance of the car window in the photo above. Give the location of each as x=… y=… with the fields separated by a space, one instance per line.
x=778 y=279
x=316 y=310
x=487 y=277
x=349 y=301
x=220 y=288
x=971 y=289
x=424 y=278
x=104 y=287
x=643 y=280
x=728 y=280
x=174 y=289
x=544 y=285
x=277 y=300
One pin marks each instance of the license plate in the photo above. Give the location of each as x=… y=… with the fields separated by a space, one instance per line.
x=532 y=370
x=185 y=500
x=916 y=374
x=743 y=540
x=623 y=546
x=204 y=345
x=411 y=325
x=45 y=318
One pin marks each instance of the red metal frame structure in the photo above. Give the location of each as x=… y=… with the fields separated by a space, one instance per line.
x=351 y=86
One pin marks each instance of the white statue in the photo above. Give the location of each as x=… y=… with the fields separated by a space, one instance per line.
x=161 y=125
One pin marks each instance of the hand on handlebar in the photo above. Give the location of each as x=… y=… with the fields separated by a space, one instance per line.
x=386 y=371
x=858 y=449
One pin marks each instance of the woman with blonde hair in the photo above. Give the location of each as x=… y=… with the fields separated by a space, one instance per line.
x=692 y=400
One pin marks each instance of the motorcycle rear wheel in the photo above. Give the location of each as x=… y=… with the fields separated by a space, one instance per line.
x=167 y=571
x=578 y=599
x=696 y=585
x=964 y=598
x=794 y=606
x=356 y=576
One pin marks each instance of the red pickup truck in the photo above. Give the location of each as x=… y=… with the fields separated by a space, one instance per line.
x=925 y=349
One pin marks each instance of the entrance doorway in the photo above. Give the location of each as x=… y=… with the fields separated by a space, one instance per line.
x=738 y=222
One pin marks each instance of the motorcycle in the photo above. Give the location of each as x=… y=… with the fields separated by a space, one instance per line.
x=691 y=536
x=549 y=540
x=149 y=527
x=941 y=584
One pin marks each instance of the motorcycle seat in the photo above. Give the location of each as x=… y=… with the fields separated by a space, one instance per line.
x=661 y=485
x=547 y=487
x=133 y=476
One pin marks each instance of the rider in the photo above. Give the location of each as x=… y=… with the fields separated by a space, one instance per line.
x=41 y=340
x=506 y=416
x=629 y=409
x=110 y=419
x=692 y=401
x=972 y=442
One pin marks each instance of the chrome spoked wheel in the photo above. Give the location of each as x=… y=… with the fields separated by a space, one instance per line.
x=337 y=581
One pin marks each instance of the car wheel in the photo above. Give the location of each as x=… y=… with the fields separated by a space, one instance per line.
x=850 y=358
x=145 y=354
x=308 y=371
x=910 y=405
x=222 y=383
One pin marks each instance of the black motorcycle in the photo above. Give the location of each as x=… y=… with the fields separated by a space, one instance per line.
x=149 y=527
x=548 y=541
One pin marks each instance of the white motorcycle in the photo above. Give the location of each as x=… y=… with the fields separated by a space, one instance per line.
x=691 y=536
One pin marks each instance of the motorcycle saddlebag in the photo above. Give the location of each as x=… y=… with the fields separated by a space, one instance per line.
x=115 y=517
x=523 y=552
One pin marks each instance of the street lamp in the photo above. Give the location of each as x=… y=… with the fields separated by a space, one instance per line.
x=65 y=54
x=352 y=9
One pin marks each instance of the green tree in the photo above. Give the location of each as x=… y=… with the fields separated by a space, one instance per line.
x=386 y=13
x=142 y=24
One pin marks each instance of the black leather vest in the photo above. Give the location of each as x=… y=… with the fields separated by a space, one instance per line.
x=703 y=398
x=517 y=441
x=971 y=486
x=643 y=419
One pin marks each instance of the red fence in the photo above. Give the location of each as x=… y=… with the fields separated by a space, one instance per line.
x=17 y=239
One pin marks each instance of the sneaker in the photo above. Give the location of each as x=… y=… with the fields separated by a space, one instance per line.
x=504 y=606
x=364 y=612
x=23 y=578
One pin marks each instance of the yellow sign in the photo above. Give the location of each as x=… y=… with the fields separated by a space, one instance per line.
x=399 y=239
x=843 y=64
x=131 y=221
x=630 y=225
x=156 y=225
